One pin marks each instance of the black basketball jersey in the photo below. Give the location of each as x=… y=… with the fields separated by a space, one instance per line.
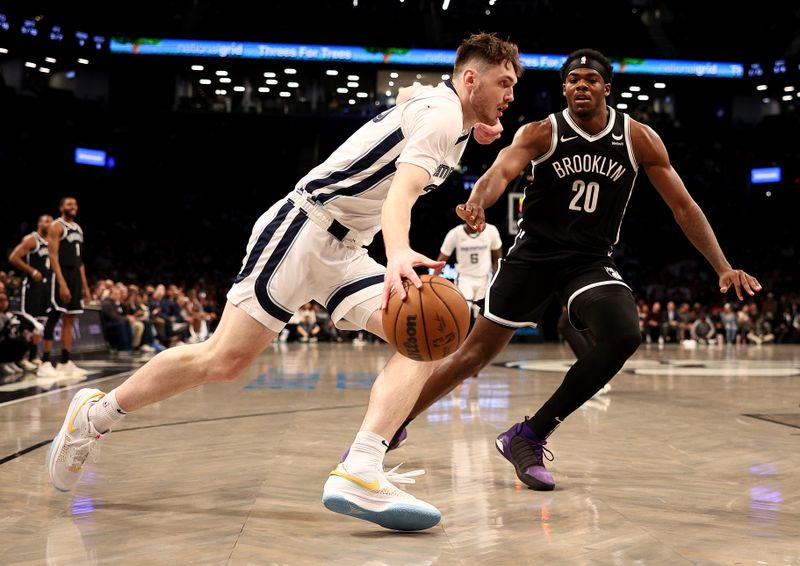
x=39 y=257
x=70 y=252
x=580 y=189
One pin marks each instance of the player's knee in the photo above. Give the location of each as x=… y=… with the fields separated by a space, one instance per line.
x=626 y=342
x=223 y=365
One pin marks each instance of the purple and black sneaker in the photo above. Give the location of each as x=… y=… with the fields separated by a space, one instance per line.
x=520 y=446
x=397 y=441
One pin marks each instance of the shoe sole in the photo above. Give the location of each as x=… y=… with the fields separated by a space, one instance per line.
x=398 y=517
x=530 y=481
x=58 y=440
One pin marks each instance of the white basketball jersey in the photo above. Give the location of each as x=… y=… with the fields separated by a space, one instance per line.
x=473 y=251
x=426 y=131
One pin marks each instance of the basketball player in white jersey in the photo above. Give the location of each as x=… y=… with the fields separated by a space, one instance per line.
x=477 y=254
x=309 y=246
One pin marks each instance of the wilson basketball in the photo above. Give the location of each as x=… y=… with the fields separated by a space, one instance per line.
x=431 y=323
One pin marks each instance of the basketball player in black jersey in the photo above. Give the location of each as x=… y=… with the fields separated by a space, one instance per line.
x=68 y=287
x=31 y=257
x=585 y=161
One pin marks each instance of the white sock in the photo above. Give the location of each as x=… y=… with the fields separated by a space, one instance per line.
x=366 y=453
x=106 y=413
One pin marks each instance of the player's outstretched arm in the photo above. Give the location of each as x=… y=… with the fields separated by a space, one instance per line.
x=530 y=141
x=651 y=154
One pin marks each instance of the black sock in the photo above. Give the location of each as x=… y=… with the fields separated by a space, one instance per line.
x=64 y=356
x=33 y=352
x=45 y=357
x=610 y=313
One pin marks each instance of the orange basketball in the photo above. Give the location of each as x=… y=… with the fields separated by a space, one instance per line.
x=431 y=323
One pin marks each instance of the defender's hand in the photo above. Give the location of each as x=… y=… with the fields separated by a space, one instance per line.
x=473 y=216
x=740 y=280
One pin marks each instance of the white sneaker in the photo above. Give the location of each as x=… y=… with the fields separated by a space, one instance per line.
x=76 y=440
x=47 y=370
x=375 y=499
x=71 y=369
x=9 y=369
x=147 y=348
x=28 y=366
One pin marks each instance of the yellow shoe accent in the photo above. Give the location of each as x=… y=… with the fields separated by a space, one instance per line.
x=71 y=428
x=373 y=486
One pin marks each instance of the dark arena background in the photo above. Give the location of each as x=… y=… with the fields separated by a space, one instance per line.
x=176 y=124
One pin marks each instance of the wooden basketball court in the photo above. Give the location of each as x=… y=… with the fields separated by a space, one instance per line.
x=691 y=458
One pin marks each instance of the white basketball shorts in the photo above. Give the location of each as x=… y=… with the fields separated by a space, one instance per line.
x=291 y=260
x=473 y=288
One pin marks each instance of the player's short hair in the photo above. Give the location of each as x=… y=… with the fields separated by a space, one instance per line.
x=65 y=199
x=488 y=48
x=589 y=59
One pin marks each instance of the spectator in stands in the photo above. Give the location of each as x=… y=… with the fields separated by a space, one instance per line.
x=195 y=316
x=116 y=324
x=702 y=329
x=728 y=318
x=770 y=308
x=209 y=306
x=686 y=320
x=743 y=324
x=308 y=329
x=644 y=313
x=670 y=327
x=143 y=333
x=761 y=331
x=155 y=296
x=654 y=321
x=171 y=313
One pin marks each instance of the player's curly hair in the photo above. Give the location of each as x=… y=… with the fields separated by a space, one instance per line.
x=489 y=48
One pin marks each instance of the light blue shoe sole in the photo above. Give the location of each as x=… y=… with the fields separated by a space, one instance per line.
x=397 y=517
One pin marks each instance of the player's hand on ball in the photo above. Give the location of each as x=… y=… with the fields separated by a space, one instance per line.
x=740 y=280
x=485 y=134
x=401 y=264
x=473 y=216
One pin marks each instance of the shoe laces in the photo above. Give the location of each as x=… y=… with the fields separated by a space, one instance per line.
x=82 y=449
x=529 y=452
x=404 y=477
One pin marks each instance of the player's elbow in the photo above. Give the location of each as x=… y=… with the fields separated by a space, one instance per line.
x=686 y=212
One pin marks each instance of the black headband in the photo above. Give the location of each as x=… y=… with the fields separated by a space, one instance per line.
x=585 y=62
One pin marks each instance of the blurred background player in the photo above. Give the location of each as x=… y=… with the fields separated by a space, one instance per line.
x=68 y=287
x=31 y=256
x=477 y=254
